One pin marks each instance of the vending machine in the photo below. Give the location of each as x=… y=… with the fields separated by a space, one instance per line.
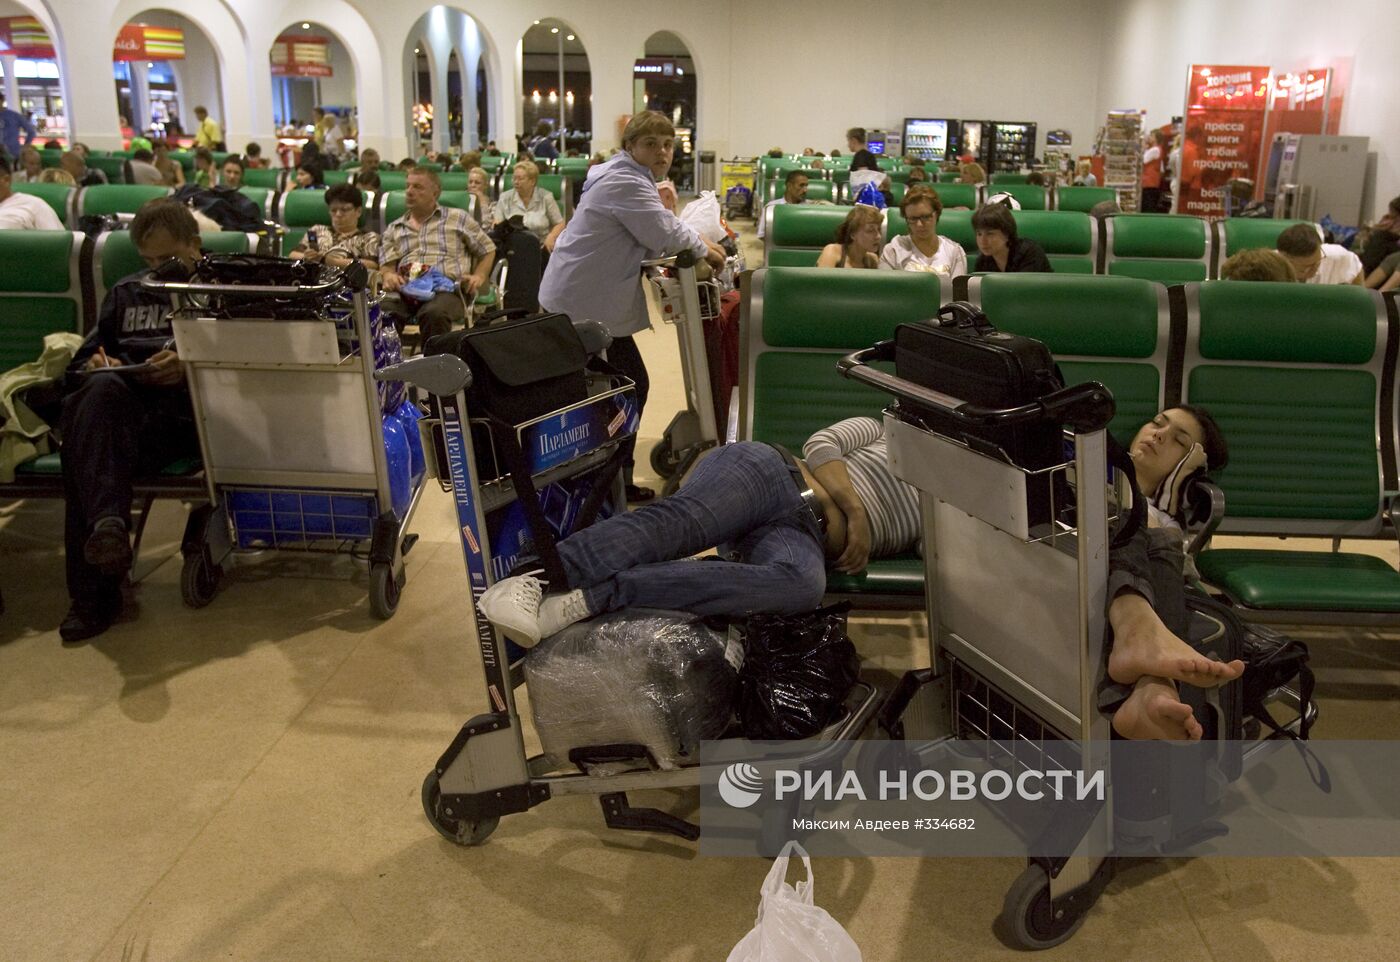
x=929 y=139
x=1013 y=145
x=975 y=138
x=889 y=143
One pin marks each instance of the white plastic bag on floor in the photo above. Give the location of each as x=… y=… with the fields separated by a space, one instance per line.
x=790 y=927
x=703 y=214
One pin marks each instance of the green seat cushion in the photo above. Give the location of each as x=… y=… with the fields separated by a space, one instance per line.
x=957 y=195
x=113 y=167
x=805 y=225
x=798 y=393
x=1063 y=264
x=28 y=319
x=1250 y=233
x=903 y=575
x=1287 y=323
x=1302 y=580
x=1029 y=196
x=793 y=256
x=333 y=177
x=35 y=261
x=268 y=178
x=957 y=225
x=117 y=198
x=1302 y=441
x=1162 y=271
x=55 y=195
x=392 y=179
x=1083 y=198
x=1005 y=178
x=1058 y=231
x=1159 y=235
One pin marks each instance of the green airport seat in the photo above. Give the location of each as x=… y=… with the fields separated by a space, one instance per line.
x=1029 y=196
x=58 y=196
x=1235 y=234
x=268 y=178
x=1070 y=238
x=104 y=199
x=114 y=256
x=1082 y=198
x=41 y=291
x=1170 y=248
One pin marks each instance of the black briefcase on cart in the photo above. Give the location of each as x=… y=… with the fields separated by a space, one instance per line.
x=960 y=353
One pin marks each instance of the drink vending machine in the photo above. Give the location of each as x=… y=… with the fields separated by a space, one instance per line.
x=929 y=138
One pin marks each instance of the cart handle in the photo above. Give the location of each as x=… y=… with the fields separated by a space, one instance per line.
x=440 y=374
x=685 y=258
x=186 y=287
x=1085 y=407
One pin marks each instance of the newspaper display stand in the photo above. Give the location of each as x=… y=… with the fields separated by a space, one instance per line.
x=302 y=451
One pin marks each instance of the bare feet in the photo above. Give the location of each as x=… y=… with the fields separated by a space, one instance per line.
x=1142 y=645
x=1153 y=711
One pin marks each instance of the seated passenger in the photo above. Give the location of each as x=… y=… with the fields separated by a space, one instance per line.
x=923 y=249
x=144 y=169
x=117 y=426
x=205 y=174
x=369 y=161
x=1001 y=251
x=971 y=173
x=794 y=192
x=23 y=211
x=1382 y=240
x=537 y=208
x=917 y=175
x=343 y=241
x=30 y=166
x=168 y=166
x=434 y=236
x=83 y=175
x=1315 y=262
x=1257 y=264
x=1386 y=277
x=468 y=160
x=1084 y=174
x=857 y=240
x=231 y=173
x=57 y=175
x=368 y=180
x=481 y=207
x=310 y=176
x=252 y=156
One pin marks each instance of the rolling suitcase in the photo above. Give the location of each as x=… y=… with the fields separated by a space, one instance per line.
x=959 y=353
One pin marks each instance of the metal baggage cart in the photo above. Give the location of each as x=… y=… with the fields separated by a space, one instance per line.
x=1019 y=674
x=485 y=773
x=688 y=303
x=291 y=429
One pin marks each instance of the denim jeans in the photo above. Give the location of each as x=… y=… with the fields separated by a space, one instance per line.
x=740 y=499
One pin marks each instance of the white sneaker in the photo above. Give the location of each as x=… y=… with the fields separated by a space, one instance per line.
x=558 y=612
x=512 y=605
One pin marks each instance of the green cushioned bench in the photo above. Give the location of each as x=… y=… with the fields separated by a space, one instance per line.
x=1070 y=238
x=1298 y=378
x=105 y=199
x=268 y=178
x=1235 y=234
x=393 y=204
x=113 y=255
x=1116 y=330
x=57 y=196
x=1082 y=199
x=1029 y=196
x=1171 y=248
x=794 y=326
x=41 y=290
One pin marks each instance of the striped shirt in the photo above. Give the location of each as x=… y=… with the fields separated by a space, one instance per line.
x=891 y=505
x=449 y=238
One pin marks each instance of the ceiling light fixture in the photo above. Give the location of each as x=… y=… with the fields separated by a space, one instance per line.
x=553 y=29
x=569 y=37
x=306 y=26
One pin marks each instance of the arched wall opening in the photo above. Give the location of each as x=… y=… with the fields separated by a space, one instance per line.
x=556 y=85
x=664 y=79
x=164 y=66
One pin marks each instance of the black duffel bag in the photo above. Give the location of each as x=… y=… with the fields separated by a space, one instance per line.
x=521 y=370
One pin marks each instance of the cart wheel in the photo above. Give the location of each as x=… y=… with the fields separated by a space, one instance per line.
x=199 y=580
x=664 y=458
x=459 y=831
x=383 y=591
x=1029 y=916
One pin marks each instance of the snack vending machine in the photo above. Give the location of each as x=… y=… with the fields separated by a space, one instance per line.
x=975 y=138
x=1013 y=145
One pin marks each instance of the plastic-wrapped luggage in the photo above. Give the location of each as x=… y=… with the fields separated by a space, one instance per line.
x=661 y=681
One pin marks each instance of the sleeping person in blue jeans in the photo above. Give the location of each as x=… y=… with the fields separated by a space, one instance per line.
x=779 y=521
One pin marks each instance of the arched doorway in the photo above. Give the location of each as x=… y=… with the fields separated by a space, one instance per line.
x=454 y=100
x=312 y=77
x=557 y=89
x=163 y=66
x=664 y=79
x=444 y=79
x=29 y=72
x=483 y=105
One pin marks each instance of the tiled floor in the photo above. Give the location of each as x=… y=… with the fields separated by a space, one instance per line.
x=242 y=782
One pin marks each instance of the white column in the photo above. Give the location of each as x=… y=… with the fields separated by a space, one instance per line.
x=442 y=130
x=11 y=83
x=140 y=96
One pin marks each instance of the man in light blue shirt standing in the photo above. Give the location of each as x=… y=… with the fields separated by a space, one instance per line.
x=12 y=122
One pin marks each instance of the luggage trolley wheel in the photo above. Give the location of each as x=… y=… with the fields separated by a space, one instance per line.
x=199 y=579
x=456 y=830
x=1032 y=921
x=384 y=590
x=665 y=459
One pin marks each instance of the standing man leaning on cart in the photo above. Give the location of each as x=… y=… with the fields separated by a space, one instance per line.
x=434 y=236
x=127 y=413
x=595 y=270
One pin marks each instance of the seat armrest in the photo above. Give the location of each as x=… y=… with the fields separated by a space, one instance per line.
x=1205 y=509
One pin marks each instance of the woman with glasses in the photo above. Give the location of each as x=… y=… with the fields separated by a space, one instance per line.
x=343 y=241
x=537 y=209
x=923 y=249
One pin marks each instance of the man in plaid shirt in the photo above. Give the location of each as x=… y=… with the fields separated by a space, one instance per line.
x=434 y=236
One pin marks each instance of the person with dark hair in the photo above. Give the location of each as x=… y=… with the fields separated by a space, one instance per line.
x=369 y=161
x=1258 y=264
x=1001 y=250
x=368 y=180
x=231 y=172
x=343 y=242
x=1315 y=262
x=144 y=169
x=170 y=169
x=861 y=157
x=1382 y=241
x=923 y=249
x=83 y=175
x=119 y=424
x=857 y=242
x=430 y=235
x=620 y=222
x=252 y=156
x=205 y=174
x=12 y=124
x=23 y=211
x=310 y=175
x=26 y=168
x=794 y=192
x=542 y=145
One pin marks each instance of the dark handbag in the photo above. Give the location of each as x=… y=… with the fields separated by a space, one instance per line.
x=797 y=672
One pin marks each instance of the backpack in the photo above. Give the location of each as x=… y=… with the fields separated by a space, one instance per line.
x=225 y=206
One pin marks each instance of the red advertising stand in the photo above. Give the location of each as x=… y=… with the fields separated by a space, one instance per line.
x=1225 y=113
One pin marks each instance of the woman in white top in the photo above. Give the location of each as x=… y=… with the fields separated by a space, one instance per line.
x=538 y=208
x=924 y=249
x=31 y=165
x=480 y=206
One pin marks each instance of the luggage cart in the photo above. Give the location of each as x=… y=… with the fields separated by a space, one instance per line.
x=298 y=453
x=986 y=525
x=485 y=774
x=689 y=303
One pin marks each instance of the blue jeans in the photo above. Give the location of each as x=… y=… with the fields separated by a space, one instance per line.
x=742 y=500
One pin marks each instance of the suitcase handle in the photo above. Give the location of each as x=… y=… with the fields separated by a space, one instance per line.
x=1084 y=407
x=963 y=315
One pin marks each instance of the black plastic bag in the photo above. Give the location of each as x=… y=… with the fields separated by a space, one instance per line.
x=797 y=672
